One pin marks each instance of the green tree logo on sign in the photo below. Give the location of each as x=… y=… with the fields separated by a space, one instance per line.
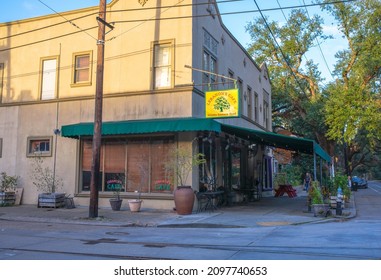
x=221 y=104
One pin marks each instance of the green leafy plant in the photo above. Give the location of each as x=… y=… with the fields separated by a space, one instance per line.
x=315 y=193
x=341 y=181
x=181 y=162
x=8 y=183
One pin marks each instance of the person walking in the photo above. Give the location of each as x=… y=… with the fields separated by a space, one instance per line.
x=307 y=181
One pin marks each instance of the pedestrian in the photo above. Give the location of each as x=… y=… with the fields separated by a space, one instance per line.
x=307 y=181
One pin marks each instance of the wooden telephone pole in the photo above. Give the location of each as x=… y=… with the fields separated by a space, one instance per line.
x=95 y=164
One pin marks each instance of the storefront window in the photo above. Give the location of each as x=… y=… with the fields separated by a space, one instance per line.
x=136 y=163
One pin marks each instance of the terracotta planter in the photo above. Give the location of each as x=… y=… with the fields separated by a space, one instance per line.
x=184 y=199
x=116 y=204
x=135 y=205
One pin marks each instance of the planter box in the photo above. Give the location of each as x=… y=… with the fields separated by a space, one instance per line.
x=7 y=198
x=51 y=200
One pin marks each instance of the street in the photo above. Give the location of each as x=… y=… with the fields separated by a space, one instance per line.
x=354 y=239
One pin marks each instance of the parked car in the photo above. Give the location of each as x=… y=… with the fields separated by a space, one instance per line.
x=359 y=182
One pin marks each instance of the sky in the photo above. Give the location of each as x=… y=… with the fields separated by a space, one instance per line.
x=21 y=9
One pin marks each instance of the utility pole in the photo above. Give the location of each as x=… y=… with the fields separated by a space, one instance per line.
x=95 y=164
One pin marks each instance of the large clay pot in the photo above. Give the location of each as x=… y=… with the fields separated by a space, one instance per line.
x=135 y=205
x=184 y=199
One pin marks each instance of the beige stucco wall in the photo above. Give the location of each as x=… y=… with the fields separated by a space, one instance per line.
x=128 y=92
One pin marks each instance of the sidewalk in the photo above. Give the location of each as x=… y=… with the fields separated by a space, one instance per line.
x=269 y=211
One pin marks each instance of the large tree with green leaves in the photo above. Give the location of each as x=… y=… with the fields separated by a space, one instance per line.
x=297 y=99
x=354 y=98
x=353 y=107
x=343 y=111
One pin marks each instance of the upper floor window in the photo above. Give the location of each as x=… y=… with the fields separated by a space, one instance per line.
x=240 y=88
x=266 y=114
x=231 y=83
x=162 y=65
x=249 y=103
x=209 y=64
x=48 y=78
x=256 y=107
x=82 y=68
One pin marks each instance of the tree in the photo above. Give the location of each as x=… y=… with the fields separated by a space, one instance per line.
x=354 y=98
x=297 y=99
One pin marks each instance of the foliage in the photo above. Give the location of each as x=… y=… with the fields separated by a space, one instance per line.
x=294 y=174
x=296 y=93
x=354 y=98
x=7 y=183
x=315 y=193
x=181 y=163
x=43 y=177
x=341 y=181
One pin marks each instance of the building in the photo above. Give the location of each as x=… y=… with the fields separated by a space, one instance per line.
x=159 y=62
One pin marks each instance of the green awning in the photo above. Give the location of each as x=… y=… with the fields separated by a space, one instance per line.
x=142 y=126
x=302 y=145
x=194 y=124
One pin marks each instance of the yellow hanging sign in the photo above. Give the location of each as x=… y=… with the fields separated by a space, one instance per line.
x=222 y=103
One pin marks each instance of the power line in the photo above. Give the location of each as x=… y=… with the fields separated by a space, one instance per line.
x=321 y=51
x=155 y=19
x=72 y=23
x=277 y=46
x=48 y=39
x=285 y=17
x=183 y=5
x=44 y=27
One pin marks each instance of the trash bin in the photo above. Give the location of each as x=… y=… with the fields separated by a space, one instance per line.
x=354 y=186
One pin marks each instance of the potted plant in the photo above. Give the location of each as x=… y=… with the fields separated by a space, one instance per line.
x=7 y=189
x=180 y=164
x=116 y=186
x=317 y=200
x=135 y=204
x=46 y=181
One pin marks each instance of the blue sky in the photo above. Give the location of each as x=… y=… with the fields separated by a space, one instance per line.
x=21 y=9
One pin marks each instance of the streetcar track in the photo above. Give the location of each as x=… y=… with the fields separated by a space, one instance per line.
x=236 y=249
x=109 y=256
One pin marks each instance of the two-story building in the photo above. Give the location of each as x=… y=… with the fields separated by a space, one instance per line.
x=160 y=60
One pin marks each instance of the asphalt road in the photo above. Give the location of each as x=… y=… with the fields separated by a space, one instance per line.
x=356 y=239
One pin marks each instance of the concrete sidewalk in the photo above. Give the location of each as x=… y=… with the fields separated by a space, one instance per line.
x=269 y=211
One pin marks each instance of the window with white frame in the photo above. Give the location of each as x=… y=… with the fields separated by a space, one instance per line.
x=209 y=61
x=266 y=114
x=162 y=73
x=266 y=110
x=209 y=64
x=82 y=68
x=48 y=78
x=39 y=146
